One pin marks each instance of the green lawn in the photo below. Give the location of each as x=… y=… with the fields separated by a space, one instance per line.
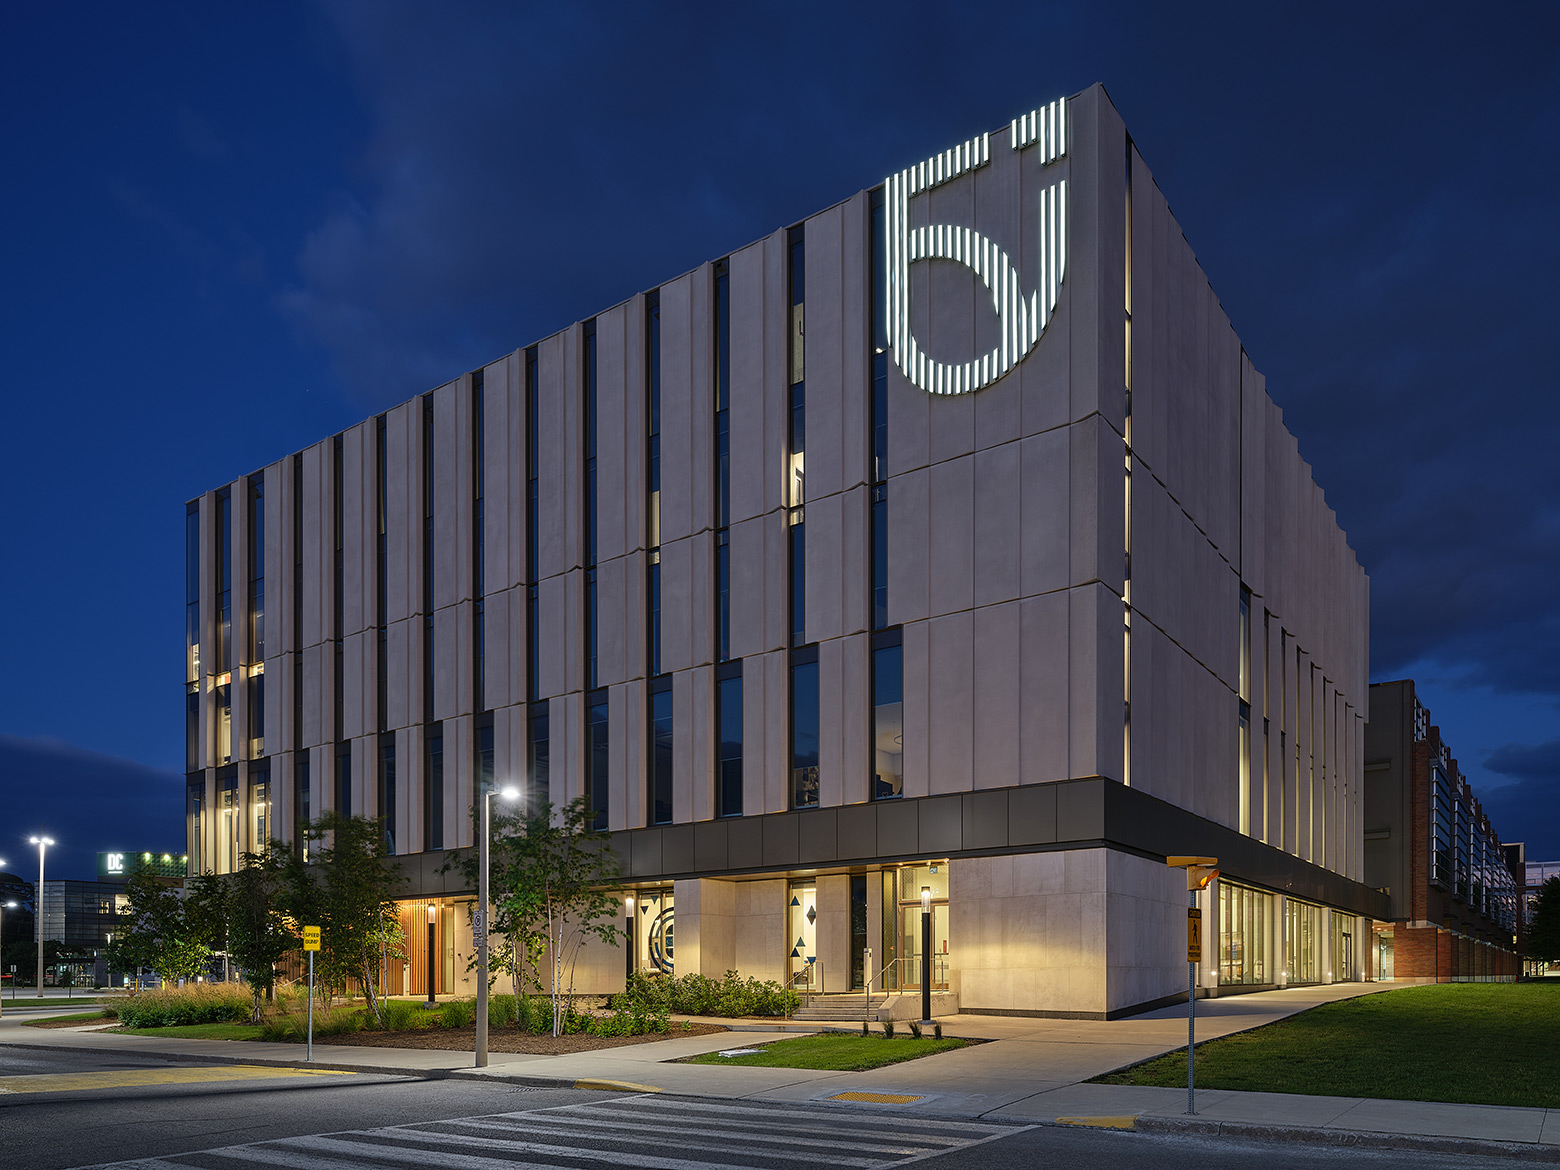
x=834 y=1050
x=1479 y=1043
x=199 y=1032
x=82 y=1017
x=85 y=1000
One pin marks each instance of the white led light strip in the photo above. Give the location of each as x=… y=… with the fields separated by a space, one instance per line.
x=1021 y=318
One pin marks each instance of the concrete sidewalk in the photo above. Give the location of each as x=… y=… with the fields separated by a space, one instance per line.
x=1029 y=1071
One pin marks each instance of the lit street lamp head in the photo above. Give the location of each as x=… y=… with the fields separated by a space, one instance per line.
x=510 y=793
x=40 y=840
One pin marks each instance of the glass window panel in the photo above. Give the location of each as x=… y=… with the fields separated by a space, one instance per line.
x=661 y=757
x=728 y=699
x=888 y=727
x=804 y=734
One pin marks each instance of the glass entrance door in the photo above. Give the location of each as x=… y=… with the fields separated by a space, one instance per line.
x=910 y=945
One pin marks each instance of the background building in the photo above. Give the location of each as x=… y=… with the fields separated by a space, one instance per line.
x=1456 y=904
x=946 y=541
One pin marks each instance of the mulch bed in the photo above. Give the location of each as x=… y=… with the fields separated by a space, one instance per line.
x=508 y=1040
x=78 y=1022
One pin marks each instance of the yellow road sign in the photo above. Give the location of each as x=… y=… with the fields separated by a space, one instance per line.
x=311 y=938
x=1193 y=935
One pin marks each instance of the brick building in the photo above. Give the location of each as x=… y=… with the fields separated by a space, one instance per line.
x=1456 y=904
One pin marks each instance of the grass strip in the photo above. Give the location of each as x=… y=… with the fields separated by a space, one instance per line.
x=1471 y=1043
x=836 y=1051
x=198 y=1031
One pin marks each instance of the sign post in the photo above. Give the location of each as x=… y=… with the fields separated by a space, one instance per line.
x=311 y=943
x=1199 y=872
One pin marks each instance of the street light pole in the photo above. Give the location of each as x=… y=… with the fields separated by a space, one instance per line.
x=926 y=955
x=6 y=906
x=433 y=917
x=42 y=843
x=481 y=925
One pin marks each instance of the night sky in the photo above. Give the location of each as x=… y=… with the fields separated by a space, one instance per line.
x=233 y=230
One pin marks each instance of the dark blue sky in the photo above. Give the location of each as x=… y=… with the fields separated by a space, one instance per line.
x=230 y=231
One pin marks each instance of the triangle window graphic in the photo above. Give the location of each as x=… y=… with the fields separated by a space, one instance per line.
x=794 y=902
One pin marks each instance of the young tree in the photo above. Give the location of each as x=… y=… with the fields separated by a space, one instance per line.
x=1543 y=932
x=554 y=884
x=259 y=934
x=349 y=892
x=157 y=929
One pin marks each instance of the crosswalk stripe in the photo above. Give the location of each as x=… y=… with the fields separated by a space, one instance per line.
x=801 y=1150
x=750 y=1124
x=694 y=1135
x=859 y=1120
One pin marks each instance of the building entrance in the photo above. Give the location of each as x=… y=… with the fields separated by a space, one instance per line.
x=902 y=889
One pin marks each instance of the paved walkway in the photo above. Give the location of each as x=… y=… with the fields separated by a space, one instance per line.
x=1030 y=1071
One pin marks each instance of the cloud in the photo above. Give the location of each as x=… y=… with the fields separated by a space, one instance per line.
x=87 y=802
x=1535 y=761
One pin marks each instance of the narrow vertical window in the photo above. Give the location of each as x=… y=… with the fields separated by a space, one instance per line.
x=722 y=461
x=653 y=483
x=192 y=636
x=257 y=567
x=223 y=689
x=592 y=629
x=888 y=717
x=256 y=647
x=482 y=764
x=194 y=820
x=427 y=551
x=478 y=544
x=338 y=498
x=1243 y=770
x=301 y=809
x=539 y=762
x=728 y=730
x=387 y=788
x=224 y=590
x=597 y=758
x=879 y=478
x=260 y=805
x=297 y=609
x=532 y=520
x=661 y=753
x=192 y=592
x=796 y=476
x=381 y=575
x=1126 y=489
x=433 y=788
x=344 y=778
x=804 y=730
x=228 y=823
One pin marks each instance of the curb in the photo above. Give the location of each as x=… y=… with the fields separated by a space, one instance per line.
x=424 y=1074
x=1353 y=1138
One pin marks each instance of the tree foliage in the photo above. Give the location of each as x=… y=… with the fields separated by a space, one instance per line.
x=259 y=931
x=159 y=928
x=554 y=884
x=349 y=892
x=1543 y=933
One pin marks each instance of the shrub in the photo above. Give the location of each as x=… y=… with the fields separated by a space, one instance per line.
x=458 y=1013
x=936 y=1029
x=197 y=1003
x=502 y=1011
x=864 y=1031
x=401 y=1015
x=699 y=995
x=888 y=1029
x=293 y=1027
x=628 y=1022
x=915 y=1030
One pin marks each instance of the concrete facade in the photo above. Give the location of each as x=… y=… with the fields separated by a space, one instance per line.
x=1068 y=552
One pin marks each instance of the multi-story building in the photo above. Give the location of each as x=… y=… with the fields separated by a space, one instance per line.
x=1456 y=904
x=946 y=540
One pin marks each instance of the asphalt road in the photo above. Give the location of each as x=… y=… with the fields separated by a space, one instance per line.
x=68 y=1109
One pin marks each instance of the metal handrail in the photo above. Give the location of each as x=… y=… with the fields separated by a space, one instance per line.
x=938 y=957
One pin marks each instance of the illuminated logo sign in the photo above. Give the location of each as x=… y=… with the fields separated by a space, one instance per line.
x=1022 y=307
x=113 y=865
